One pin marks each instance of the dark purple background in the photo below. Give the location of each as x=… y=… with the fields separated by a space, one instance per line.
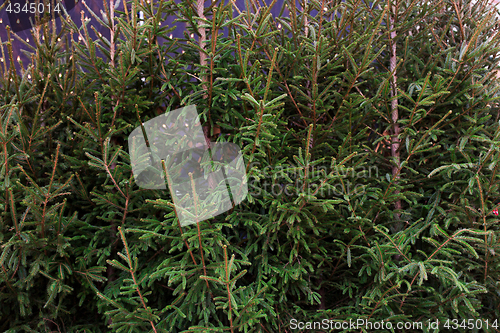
x=74 y=10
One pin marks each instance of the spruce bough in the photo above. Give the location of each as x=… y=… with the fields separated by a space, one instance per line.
x=370 y=133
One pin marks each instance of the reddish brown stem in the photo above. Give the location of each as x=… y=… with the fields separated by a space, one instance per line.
x=395 y=142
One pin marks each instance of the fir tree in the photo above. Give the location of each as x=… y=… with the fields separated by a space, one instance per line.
x=370 y=133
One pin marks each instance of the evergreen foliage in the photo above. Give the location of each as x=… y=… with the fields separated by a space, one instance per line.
x=371 y=137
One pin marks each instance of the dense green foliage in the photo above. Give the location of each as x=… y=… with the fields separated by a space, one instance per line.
x=371 y=134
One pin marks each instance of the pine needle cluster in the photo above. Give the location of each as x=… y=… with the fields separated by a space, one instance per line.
x=370 y=132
